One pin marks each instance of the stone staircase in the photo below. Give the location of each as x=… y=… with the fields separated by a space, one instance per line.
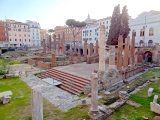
x=70 y=83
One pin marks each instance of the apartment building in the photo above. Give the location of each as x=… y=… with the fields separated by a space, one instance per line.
x=34 y=32
x=18 y=34
x=146 y=28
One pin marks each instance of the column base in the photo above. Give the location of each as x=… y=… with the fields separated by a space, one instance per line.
x=95 y=115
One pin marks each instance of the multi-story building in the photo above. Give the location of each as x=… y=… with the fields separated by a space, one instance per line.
x=19 y=34
x=3 y=34
x=106 y=22
x=68 y=34
x=34 y=33
x=89 y=32
x=146 y=28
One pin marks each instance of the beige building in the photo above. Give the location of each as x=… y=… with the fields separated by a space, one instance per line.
x=19 y=34
x=68 y=34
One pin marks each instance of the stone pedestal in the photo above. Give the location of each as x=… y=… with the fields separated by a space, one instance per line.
x=37 y=103
x=112 y=57
x=102 y=48
x=94 y=112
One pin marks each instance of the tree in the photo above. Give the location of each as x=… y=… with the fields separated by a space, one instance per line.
x=75 y=27
x=115 y=27
x=50 y=31
x=124 y=30
x=119 y=25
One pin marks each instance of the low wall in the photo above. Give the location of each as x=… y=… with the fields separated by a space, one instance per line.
x=44 y=65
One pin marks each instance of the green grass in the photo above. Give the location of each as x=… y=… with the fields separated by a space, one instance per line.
x=128 y=112
x=14 y=62
x=19 y=107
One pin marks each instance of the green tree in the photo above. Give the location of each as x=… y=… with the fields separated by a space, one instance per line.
x=75 y=27
x=50 y=31
x=124 y=30
x=115 y=27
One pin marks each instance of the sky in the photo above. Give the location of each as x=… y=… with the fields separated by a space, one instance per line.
x=52 y=13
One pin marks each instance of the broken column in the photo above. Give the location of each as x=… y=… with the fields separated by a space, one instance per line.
x=50 y=44
x=44 y=46
x=126 y=52
x=37 y=103
x=53 y=60
x=91 y=49
x=112 y=57
x=119 y=52
x=96 y=46
x=102 y=48
x=94 y=113
x=71 y=57
x=63 y=43
x=132 y=51
x=79 y=56
x=54 y=43
x=85 y=49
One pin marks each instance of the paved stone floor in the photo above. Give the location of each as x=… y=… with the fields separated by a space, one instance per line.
x=80 y=69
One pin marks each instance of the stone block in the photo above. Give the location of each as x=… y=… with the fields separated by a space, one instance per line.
x=155 y=107
x=156 y=118
x=155 y=98
x=6 y=99
x=123 y=95
x=150 y=90
x=102 y=109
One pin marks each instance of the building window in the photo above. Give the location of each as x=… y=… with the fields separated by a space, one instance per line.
x=134 y=33
x=15 y=39
x=24 y=35
x=19 y=34
x=15 y=34
x=5 y=29
x=151 y=31
x=90 y=30
x=25 y=40
x=20 y=40
x=107 y=22
x=90 y=38
x=142 y=32
x=103 y=23
x=19 y=30
x=4 y=24
x=9 y=29
x=10 y=39
x=106 y=27
x=141 y=43
x=29 y=40
x=150 y=43
x=5 y=34
x=24 y=26
x=28 y=35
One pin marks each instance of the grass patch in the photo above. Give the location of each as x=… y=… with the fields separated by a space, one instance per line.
x=128 y=112
x=19 y=107
x=14 y=62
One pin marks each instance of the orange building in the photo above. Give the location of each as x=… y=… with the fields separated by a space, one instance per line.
x=3 y=31
x=68 y=34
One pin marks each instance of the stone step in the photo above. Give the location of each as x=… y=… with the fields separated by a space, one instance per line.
x=67 y=78
x=68 y=90
x=73 y=76
x=65 y=81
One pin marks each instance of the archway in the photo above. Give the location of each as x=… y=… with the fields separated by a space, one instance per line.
x=141 y=42
x=81 y=51
x=148 y=56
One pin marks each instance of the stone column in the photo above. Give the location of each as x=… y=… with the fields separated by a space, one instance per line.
x=37 y=103
x=71 y=57
x=44 y=46
x=91 y=49
x=96 y=46
x=126 y=52
x=94 y=113
x=53 y=59
x=85 y=49
x=54 y=43
x=63 y=43
x=79 y=56
x=94 y=94
x=50 y=44
x=112 y=57
x=59 y=42
x=119 y=52
x=102 y=48
x=132 y=51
